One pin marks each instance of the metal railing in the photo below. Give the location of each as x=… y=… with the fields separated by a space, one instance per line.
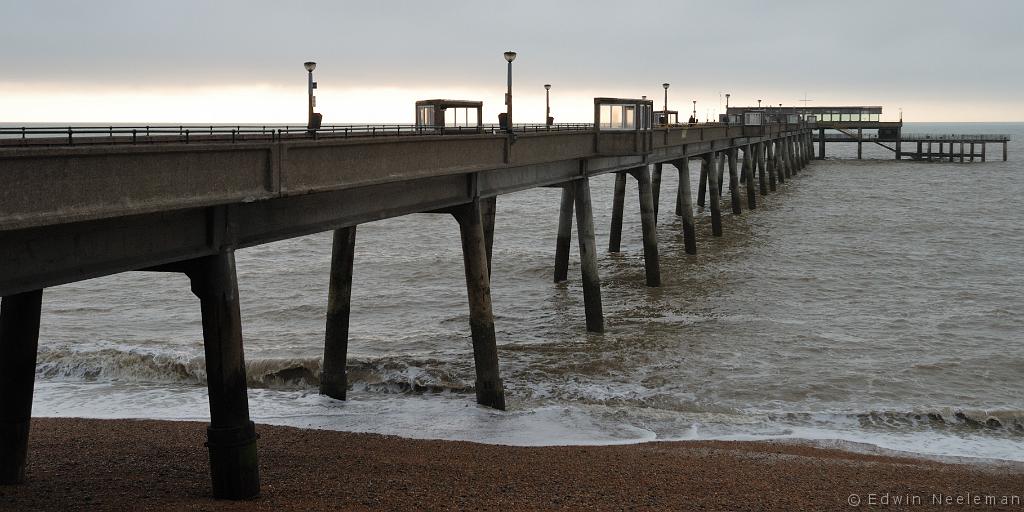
x=989 y=137
x=151 y=134
x=128 y=134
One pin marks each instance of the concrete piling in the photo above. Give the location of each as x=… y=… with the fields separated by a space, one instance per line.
x=722 y=158
x=588 y=256
x=772 y=165
x=860 y=143
x=686 y=204
x=19 y=340
x=748 y=171
x=716 y=212
x=489 y=389
x=1005 y=147
x=652 y=268
x=702 y=187
x=734 y=187
x=821 y=143
x=656 y=188
x=618 y=199
x=759 y=162
x=333 y=377
x=564 y=233
x=231 y=436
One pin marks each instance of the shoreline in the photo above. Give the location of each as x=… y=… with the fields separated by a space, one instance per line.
x=87 y=464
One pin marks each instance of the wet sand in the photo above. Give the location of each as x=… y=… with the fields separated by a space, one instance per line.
x=78 y=464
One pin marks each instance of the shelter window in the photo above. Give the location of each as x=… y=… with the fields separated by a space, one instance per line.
x=425 y=115
x=618 y=117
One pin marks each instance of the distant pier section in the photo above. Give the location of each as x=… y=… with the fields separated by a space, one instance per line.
x=851 y=121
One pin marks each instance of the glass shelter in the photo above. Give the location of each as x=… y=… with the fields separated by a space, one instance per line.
x=621 y=114
x=666 y=118
x=442 y=114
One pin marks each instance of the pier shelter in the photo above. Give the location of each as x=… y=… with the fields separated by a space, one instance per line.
x=441 y=114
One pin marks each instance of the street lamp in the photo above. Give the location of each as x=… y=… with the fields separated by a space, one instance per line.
x=758 y=103
x=695 y=111
x=727 y=103
x=509 y=57
x=310 y=66
x=547 y=104
x=665 y=85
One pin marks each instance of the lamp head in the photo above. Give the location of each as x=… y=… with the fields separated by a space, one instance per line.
x=665 y=85
x=510 y=56
x=310 y=66
x=547 y=87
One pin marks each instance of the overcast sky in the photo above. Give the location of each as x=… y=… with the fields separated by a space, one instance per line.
x=241 y=61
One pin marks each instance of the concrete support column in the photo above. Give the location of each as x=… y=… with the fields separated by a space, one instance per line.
x=983 y=146
x=19 y=341
x=588 y=257
x=702 y=187
x=652 y=267
x=656 y=188
x=821 y=143
x=787 y=165
x=564 y=233
x=972 y=151
x=231 y=436
x=1004 y=150
x=771 y=166
x=489 y=389
x=618 y=200
x=722 y=160
x=899 y=144
x=716 y=211
x=333 y=377
x=794 y=166
x=748 y=171
x=961 y=152
x=679 y=189
x=734 y=182
x=952 y=156
x=762 y=181
x=686 y=204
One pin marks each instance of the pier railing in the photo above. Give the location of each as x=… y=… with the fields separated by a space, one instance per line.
x=146 y=134
x=129 y=134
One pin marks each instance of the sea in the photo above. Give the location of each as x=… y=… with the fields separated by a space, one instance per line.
x=867 y=303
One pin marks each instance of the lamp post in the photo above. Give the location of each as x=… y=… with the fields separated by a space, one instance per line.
x=727 y=103
x=665 y=85
x=310 y=66
x=695 y=111
x=547 y=104
x=758 y=103
x=509 y=57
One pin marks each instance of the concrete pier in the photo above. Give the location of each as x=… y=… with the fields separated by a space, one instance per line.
x=588 y=256
x=772 y=165
x=19 y=339
x=716 y=212
x=656 y=188
x=231 y=436
x=652 y=267
x=618 y=200
x=748 y=172
x=564 y=240
x=333 y=377
x=489 y=389
x=686 y=204
x=860 y=143
x=759 y=160
x=734 y=182
x=705 y=170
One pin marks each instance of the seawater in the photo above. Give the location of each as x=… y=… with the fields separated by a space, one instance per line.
x=869 y=301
